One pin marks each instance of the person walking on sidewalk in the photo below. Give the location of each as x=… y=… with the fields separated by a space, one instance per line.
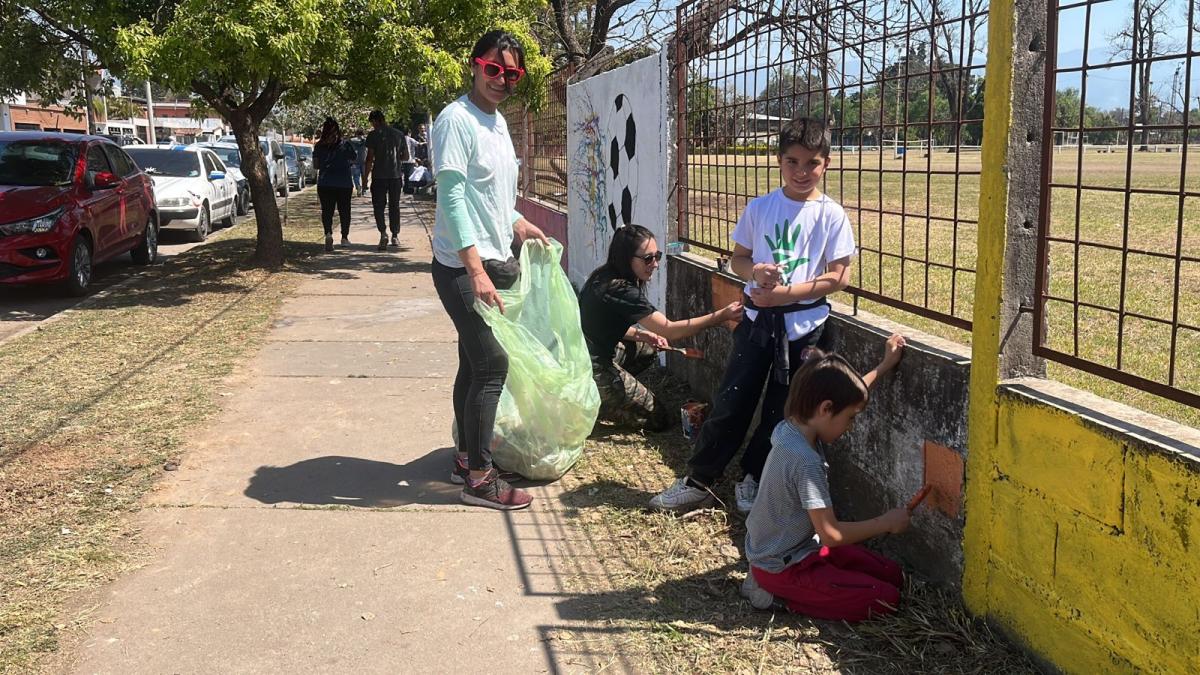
x=408 y=165
x=474 y=227
x=334 y=157
x=360 y=160
x=386 y=151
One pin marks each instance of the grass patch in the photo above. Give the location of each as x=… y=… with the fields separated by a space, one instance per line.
x=939 y=257
x=97 y=402
x=660 y=593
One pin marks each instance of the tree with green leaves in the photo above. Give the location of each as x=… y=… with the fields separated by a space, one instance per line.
x=47 y=46
x=242 y=57
x=122 y=108
x=306 y=117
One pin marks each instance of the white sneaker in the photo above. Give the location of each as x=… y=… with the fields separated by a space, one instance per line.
x=745 y=492
x=759 y=598
x=681 y=497
x=345 y=241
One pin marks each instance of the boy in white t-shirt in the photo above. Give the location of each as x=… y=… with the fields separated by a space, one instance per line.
x=793 y=247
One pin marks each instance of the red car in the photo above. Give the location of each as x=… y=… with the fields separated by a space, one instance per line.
x=68 y=202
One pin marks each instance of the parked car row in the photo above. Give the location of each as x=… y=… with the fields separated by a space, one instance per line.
x=301 y=170
x=69 y=201
x=289 y=164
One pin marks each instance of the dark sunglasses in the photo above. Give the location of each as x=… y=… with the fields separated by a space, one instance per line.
x=650 y=257
x=494 y=70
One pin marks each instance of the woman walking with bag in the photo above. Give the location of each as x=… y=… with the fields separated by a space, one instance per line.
x=334 y=157
x=474 y=228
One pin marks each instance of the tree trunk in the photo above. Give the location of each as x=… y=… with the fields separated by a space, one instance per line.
x=268 y=250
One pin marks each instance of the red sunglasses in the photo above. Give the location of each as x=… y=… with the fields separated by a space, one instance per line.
x=494 y=70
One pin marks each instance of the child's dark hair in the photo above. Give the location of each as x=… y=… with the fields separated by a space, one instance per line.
x=823 y=377
x=624 y=246
x=501 y=41
x=808 y=133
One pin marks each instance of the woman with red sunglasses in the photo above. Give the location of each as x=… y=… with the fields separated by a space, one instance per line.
x=474 y=228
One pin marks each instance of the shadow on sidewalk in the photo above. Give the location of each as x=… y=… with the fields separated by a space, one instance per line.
x=351 y=481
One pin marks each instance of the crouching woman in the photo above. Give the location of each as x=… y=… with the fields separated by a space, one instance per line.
x=624 y=330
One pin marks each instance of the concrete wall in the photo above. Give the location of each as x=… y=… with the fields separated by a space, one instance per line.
x=914 y=430
x=1092 y=546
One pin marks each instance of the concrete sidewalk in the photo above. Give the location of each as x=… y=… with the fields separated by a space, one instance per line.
x=312 y=526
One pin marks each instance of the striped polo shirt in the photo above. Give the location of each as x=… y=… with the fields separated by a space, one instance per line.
x=779 y=532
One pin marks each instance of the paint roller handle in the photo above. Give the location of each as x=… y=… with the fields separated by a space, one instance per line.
x=919 y=497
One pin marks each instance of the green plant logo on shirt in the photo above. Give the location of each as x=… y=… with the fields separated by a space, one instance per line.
x=783 y=248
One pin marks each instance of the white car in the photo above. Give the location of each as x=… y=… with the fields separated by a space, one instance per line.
x=192 y=188
x=231 y=157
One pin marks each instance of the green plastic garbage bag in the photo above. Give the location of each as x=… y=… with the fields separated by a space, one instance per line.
x=550 y=401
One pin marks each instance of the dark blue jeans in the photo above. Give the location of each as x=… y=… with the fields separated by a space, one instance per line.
x=733 y=407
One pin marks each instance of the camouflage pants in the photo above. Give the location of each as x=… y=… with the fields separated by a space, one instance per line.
x=623 y=400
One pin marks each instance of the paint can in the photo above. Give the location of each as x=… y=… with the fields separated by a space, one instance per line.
x=693 y=414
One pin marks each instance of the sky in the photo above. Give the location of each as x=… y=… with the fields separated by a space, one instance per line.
x=1107 y=88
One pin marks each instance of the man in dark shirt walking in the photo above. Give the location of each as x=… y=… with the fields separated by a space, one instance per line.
x=387 y=150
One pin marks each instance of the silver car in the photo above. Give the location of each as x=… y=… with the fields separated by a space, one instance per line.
x=276 y=167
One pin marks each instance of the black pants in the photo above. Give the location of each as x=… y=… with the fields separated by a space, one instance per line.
x=331 y=197
x=482 y=367
x=386 y=192
x=733 y=407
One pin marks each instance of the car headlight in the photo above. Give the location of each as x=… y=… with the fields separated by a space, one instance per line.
x=169 y=202
x=37 y=225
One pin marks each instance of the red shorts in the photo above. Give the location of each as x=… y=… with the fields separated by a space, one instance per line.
x=846 y=583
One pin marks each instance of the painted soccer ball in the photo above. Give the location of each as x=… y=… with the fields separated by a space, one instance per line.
x=621 y=161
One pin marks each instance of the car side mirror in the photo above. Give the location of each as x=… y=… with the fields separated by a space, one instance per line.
x=104 y=180
x=279 y=155
x=216 y=175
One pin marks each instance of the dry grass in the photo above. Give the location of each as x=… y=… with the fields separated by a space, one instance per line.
x=94 y=406
x=662 y=592
x=723 y=184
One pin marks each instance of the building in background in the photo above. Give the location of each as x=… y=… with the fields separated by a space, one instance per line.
x=27 y=113
x=172 y=119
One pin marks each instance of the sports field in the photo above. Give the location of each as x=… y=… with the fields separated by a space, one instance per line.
x=876 y=190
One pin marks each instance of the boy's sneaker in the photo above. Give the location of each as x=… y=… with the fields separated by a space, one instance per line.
x=328 y=244
x=494 y=492
x=461 y=471
x=682 y=496
x=382 y=243
x=395 y=241
x=759 y=598
x=745 y=492
x=345 y=241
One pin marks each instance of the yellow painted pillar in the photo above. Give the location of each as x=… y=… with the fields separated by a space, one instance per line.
x=985 y=338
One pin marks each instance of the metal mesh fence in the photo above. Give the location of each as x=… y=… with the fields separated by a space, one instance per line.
x=540 y=139
x=1119 y=238
x=900 y=86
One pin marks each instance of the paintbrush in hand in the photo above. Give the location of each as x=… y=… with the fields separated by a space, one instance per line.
x=688 y=352
x=919 y=497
